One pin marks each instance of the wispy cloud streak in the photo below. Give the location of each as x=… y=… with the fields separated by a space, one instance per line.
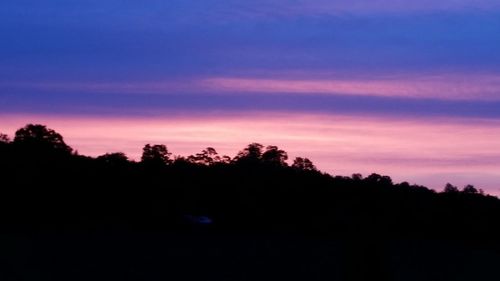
x=441 y=87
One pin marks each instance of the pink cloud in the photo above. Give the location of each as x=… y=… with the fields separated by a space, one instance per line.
x=426 y=151
x=450 y=87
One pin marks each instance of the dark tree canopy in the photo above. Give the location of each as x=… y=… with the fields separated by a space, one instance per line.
x=208 y=156
x=275 y=156
x=357 y=176
x=156 y=155
x=470 y=189
x=114 y=159
x=250 y=154
x=4 y=138
x=303 y=164
x=40 y=137
x=450 y=188
x=379 y=180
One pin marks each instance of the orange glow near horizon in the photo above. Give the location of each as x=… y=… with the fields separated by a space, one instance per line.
x=422 y=151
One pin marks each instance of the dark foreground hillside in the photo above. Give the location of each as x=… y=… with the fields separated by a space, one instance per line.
x=64 y=216
x=125 y=255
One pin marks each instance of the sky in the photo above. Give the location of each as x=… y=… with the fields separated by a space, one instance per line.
x=410 y=89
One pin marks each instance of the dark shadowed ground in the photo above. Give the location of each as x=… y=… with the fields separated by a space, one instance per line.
x=204 y=256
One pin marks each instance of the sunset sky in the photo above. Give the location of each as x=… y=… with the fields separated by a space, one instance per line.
x=410 y=89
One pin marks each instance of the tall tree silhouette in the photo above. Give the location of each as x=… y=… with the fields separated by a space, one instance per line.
x=469 y=189
x=450 y=188
x=39 y=137
x=303 y=164
x=155 y=155
x=275 y=156
x=208 y=156
x=252 y=154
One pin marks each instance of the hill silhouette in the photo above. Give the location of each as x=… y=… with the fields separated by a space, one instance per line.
x=46 y=183
x=48 y=188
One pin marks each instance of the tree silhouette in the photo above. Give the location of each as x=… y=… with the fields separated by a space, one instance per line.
x=357 y=177
x=39 y=137
x=4 y=138
x=379 y=180
x=251 y=154
x=275 y=156
x=155 y=155
x=303 y=164
x=450 y=188
x=208 y=156
x=469 y=189
x=113 y=159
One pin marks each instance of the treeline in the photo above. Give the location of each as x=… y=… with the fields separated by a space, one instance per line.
x=46 y=184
